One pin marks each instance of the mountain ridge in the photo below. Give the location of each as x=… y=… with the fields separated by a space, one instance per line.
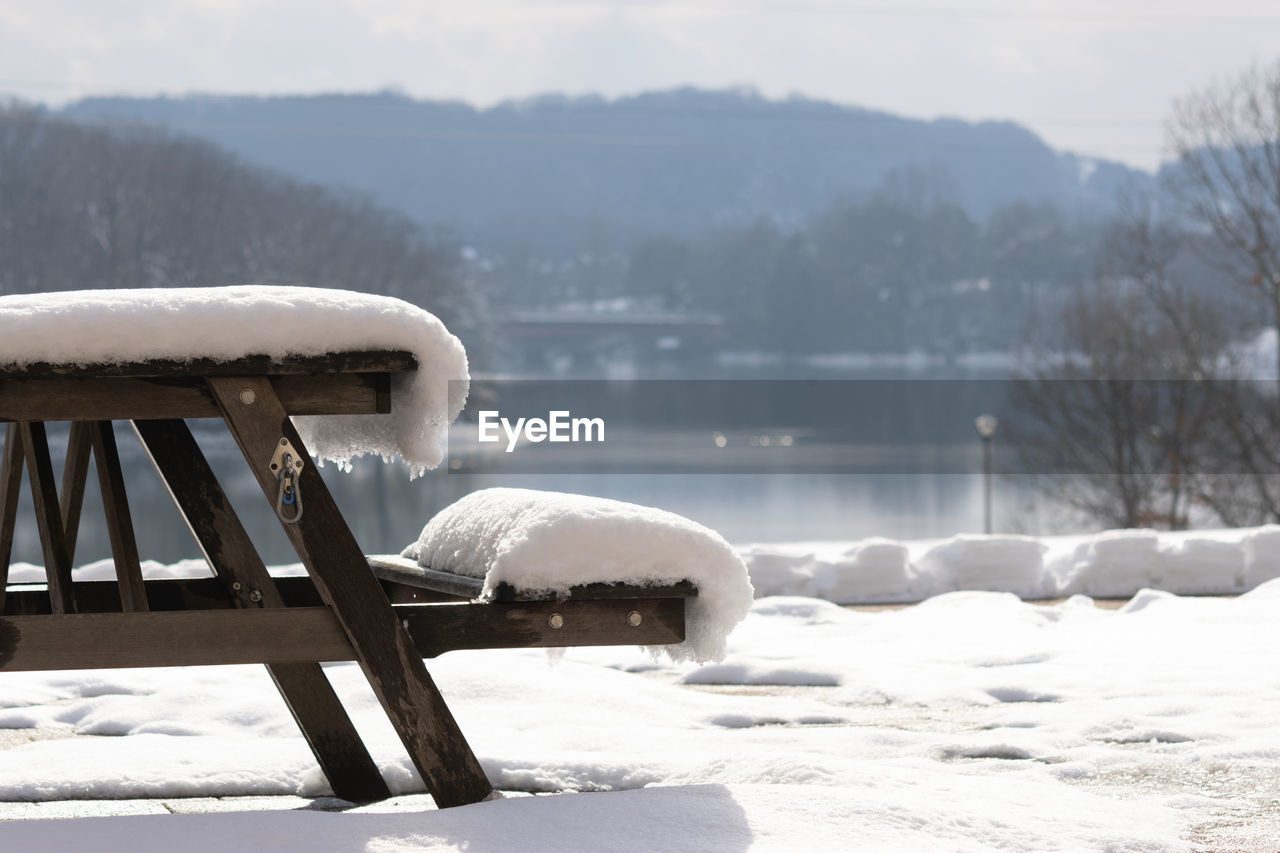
x=574 y=169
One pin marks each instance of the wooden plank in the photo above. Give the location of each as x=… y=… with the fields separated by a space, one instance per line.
x=206 y=593
x=382 y=393
x=290 y=639
x=336 y=564
x=446 y=628
x=115 y=503
x=199 y=638
x=227 y=548
x=10 y=486
x=75 y=470
x=125 y=398
x=404 y=571
x=44 y=497
x=439 y=628
x=365 y=361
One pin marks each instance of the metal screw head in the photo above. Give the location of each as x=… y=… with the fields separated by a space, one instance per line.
x=236 y=586
x=247 y=396
x=255 y=595
x=555 y=620
x=634 y=619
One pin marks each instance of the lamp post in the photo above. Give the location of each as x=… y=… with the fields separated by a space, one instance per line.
x=986 y=426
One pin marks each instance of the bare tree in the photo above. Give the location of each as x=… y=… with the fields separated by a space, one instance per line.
x=1227 y=177
x=1226 y=182
x=1099 y=418
x=82 y=206
x=1165 y=419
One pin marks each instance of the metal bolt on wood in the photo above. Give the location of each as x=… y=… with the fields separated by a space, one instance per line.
x=247 y=396
x=555 y=620
x=634 y=619
x=255 y=595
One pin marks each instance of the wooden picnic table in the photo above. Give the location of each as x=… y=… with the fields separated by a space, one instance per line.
x=387 y=616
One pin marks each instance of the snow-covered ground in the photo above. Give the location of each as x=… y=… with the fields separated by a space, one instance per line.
x=972 y=721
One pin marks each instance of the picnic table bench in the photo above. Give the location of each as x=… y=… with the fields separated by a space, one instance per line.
x=386 y=613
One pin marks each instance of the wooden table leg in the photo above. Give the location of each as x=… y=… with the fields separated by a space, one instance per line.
x=10 y=485
x=115 y=504
x=315 y=706
x=75 y=471
x=337 y=566
x=44 y=498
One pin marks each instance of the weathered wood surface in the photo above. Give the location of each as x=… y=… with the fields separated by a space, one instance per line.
x=195 y=638
x=115 y=504
x=11 y=462
x=368 y=361
x=129 y=398
x=290 y=639
x=203 y=593
x=44 y=499
x=404 y=571
x=227 y=548
x=440 y=628
x=337 y=565
x=75 y=471
x=163 y=594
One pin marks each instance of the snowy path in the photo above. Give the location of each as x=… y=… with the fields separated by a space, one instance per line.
x=973 y=721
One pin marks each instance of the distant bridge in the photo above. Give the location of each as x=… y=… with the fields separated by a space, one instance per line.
x=537 y=340
x=593 y=324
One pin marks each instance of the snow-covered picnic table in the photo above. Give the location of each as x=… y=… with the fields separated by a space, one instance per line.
x=294 y=372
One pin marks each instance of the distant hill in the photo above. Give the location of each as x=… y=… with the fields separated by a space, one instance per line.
x=553 y=172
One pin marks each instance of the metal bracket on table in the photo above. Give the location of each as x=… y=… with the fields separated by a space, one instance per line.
x=286 y=465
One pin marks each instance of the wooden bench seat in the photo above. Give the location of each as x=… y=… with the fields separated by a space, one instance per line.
x=439 y=610
x=401 y=570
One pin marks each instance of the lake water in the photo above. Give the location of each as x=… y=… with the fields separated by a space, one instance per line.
x=386 y=510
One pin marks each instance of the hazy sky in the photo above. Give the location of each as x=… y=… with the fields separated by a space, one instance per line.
x=1093 y=77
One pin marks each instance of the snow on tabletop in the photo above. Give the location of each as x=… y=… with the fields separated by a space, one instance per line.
x=550 y=541
x=225 y=323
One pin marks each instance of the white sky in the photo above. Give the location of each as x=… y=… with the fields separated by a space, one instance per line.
x=1090 y=76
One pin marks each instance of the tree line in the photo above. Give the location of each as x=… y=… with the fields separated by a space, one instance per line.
x=893 y=270
x=84 y=207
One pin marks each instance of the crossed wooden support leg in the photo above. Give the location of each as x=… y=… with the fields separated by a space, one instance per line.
x=337 y=566
x=315 y=707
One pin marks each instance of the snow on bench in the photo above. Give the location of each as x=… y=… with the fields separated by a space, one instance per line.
x=104 y=327
x=549 y=543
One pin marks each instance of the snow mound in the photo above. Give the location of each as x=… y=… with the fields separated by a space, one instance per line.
x=1110 y=564
x=225 y=323
x=869 y=571
x=1261 y=553
x=877 y=569
x=547 y=542
x=994 y=563
x=1197 y=566
x=1114 y=564
x=774 y=572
